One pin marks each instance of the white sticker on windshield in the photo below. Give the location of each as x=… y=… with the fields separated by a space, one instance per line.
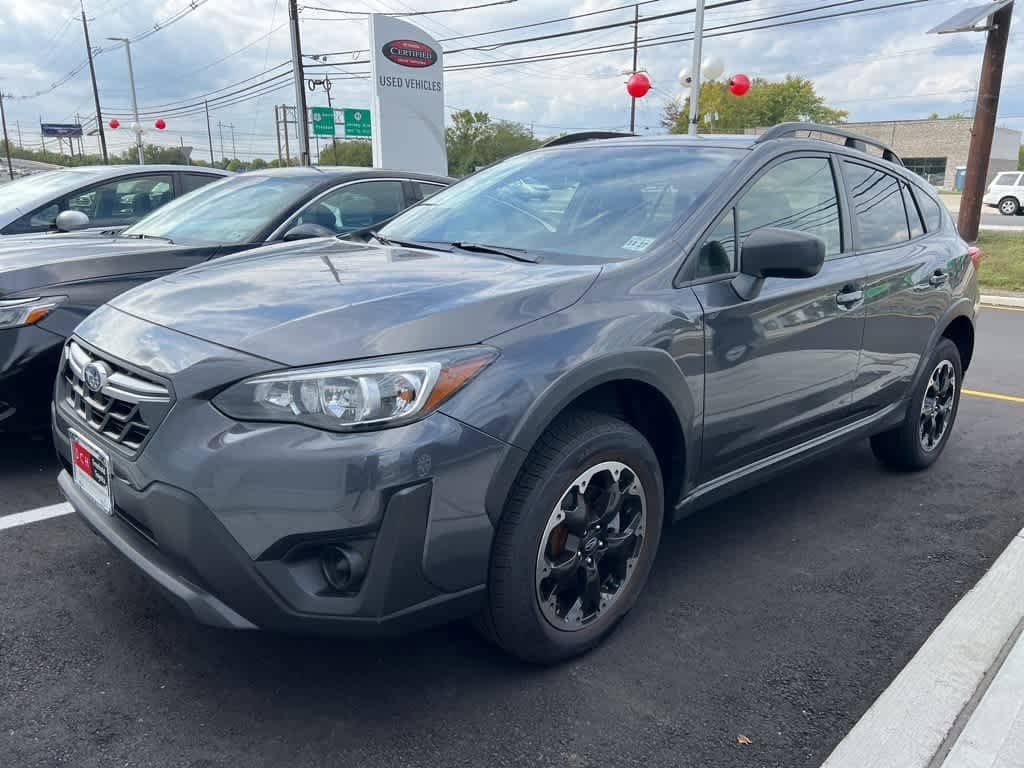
x=637 y=243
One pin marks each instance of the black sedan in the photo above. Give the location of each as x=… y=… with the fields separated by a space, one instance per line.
x=47 y=286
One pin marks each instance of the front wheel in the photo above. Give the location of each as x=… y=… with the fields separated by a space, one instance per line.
x=577 y=540
x=922 y=436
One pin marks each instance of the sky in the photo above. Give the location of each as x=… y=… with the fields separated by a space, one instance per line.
x=878 y=66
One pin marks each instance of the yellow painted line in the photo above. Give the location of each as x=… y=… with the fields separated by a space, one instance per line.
x=992 y=395
x=1000 y=306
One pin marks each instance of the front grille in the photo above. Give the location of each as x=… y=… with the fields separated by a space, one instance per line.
x=125 y=409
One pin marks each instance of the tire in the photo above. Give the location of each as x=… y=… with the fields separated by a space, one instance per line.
x=588 y=446
x=1009 y=206
x=906 y=447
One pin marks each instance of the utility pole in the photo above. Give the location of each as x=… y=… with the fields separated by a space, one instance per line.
x=220 y=130
x=181 y=142
x=234 y=152
x=301 y=116
x=7 y=143
x=18 y=124
x=284 y=121
x=984 y=123
x=136 y=126
x=636 y=42
x=209 y=135
x=95 y=90
x=277 y=129
x=698 y=40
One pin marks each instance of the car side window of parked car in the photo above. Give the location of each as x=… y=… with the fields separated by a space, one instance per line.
x=124 y=201
x=931 y=211
x=193 y=181
x=913 y=214
x=355 y=206
x=877 y=206
x=797 y=194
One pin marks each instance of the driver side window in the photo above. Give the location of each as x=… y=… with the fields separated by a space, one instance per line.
x=355 y=206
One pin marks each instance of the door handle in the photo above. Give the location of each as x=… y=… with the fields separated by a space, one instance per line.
x=939 y=278
x=849 y=296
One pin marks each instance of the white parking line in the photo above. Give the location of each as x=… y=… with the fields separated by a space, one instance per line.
x=35 y=515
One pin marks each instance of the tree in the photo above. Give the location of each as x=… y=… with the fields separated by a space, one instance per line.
x=474 y=140
x=767 y=103
x=357 y=153
x=258 y=164
x=1020 y=158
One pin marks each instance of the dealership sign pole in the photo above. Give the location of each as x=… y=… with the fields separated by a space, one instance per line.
x=407 y=104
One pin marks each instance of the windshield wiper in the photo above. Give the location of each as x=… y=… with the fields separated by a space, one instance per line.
x=141 y=236
x=499 y=250
x=405 y=243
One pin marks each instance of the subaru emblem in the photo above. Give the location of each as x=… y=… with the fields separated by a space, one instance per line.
x=96 y=375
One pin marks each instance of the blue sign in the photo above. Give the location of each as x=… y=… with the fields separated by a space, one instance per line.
x=60 y=130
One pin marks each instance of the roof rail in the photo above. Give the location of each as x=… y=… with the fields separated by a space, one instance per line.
x=573 y=138
x=852 y=140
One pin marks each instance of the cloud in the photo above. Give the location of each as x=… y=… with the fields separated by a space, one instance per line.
x=877 y=66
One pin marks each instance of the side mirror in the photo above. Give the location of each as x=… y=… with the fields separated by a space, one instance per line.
x=70 y=221
x=771 y=252
x=307 y=231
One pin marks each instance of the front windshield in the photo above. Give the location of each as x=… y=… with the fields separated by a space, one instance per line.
x=606 y=203
x=44 y=186
x=234 y=210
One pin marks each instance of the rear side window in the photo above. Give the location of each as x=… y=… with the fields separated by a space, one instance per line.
x=193 y=181
x=796 y=194
x=914 y=217
x=931 y=211
x=1006 y=179
x=877 y=206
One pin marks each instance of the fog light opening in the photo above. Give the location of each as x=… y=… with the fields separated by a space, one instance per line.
x=343 y=569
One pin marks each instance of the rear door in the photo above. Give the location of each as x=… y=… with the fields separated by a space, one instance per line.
x=910 y=266
x=780 y=367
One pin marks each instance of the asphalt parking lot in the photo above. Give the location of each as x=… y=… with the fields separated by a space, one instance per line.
x=778 y=615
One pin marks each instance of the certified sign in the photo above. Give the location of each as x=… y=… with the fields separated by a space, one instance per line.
x=407 y=101
x=409 y=53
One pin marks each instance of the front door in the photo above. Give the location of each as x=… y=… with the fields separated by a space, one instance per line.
x=779 y=368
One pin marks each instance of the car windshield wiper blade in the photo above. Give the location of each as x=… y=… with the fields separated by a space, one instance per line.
x=512 y=253
x=405 y=243
x=142 y=236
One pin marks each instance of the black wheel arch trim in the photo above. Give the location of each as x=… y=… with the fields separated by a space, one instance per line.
x=653 y=367
x=962 y=307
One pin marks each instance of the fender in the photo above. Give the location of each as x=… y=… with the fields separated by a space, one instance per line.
x=654 y=367
x=962 y=307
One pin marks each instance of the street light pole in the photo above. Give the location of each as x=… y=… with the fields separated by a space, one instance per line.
x=698 y=39
x=301 y=115
x=136 y=126
x=636 y=41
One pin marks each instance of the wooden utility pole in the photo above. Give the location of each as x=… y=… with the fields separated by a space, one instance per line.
x=984 y=123
x=209 y=135
x=95 y=89
x=7 y=142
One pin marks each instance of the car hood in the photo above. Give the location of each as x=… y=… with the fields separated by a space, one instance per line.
x=27 y=264
x=323 y=300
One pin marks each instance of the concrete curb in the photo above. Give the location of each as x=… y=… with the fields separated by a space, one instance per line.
x=1002 y=301
x=919 y=718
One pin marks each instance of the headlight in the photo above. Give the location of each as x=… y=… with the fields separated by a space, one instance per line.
x=17 y=312
x=352 y=396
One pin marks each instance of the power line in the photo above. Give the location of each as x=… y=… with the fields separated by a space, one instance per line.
x=412 y=13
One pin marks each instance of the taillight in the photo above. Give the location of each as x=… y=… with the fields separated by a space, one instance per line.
x=975 y=253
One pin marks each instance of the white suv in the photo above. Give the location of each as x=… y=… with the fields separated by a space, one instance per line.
x=1006 y=192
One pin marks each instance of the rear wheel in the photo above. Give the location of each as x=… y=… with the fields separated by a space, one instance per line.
x=576 y=543
x=1009 y=206
x=922 y=436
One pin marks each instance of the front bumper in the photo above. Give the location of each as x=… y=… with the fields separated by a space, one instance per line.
x=228 y=519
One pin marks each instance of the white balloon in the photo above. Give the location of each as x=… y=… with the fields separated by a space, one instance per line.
x=685 y=78
x=712 y=68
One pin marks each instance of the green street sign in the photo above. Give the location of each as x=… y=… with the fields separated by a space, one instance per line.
x=323 y=121
x=357 y=123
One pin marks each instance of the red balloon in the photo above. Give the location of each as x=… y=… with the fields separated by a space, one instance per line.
x=115 y=123
x=638 y=85
x=739 y=84
x=160 y=124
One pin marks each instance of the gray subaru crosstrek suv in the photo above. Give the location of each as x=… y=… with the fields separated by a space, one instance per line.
x=491 y=408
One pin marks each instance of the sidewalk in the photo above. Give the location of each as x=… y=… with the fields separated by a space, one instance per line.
x=959 y=703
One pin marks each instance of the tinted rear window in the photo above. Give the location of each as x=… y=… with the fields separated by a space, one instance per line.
x=877 y=206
